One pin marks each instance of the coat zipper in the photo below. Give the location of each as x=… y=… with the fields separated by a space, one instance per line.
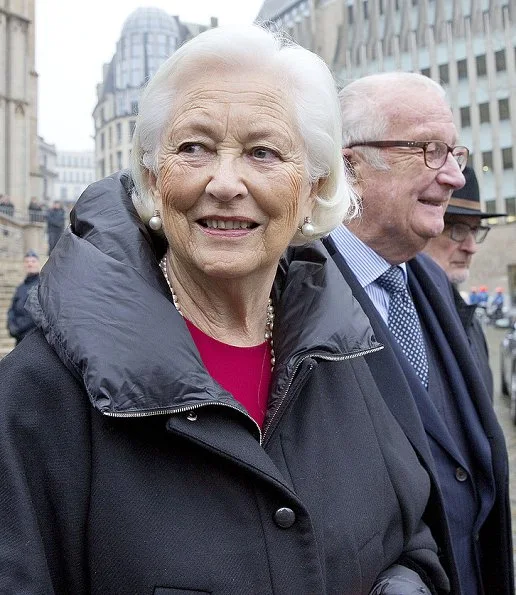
x=182 y=410
x=267 y=430
x=176 y=410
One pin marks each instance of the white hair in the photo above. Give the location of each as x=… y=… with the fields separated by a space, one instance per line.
x=306 y=80
x=361 y=102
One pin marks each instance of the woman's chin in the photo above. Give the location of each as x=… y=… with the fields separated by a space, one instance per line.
x=236 y=267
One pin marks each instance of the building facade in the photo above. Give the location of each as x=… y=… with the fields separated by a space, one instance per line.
x=19 y=167
x=75 y=170
x=149 y=36
x=48 y=172
x=469 y=46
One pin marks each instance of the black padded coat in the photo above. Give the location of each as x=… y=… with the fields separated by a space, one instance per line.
x=127 y=469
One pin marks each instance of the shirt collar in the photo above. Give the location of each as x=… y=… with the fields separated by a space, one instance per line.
x=366 y=264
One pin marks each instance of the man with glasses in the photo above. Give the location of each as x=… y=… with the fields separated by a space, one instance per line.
x=453 y=251
x=399 y=142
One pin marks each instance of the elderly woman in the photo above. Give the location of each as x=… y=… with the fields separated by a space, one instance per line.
x=193 y=414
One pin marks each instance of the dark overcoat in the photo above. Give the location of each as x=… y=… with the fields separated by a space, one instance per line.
x=127 y=469
x=398 y=383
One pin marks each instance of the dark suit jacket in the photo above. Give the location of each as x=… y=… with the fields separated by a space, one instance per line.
x=399 y=384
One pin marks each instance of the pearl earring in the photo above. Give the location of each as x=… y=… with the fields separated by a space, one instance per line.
x=155 y=222
x=307 y=229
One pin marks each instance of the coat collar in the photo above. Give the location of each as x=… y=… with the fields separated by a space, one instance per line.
x=105 y=308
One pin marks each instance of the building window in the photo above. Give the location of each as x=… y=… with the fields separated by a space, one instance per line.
x=119 y=160
x=510 y=205
x=110 y=137
x=507 y=158
x=444 y=74
x=366 y=10
x=102 y=141
x=462 y=69
x=425 y=72
x=119 y=132
x=490 y=206
x=503 y=109
x=350 y=15
x=500 y=61
x=484 y=112
x=487 y=160
x=102 y=167
x=465 y=117
x=134 y=108
x=481 y=65
x=132 y=125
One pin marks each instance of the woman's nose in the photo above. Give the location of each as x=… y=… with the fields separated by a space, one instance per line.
x=226 y=182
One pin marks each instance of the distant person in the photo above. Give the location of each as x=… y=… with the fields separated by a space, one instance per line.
x=473 y=296
x=6 y=206
x=55 y=224
x=453 y=251
x=483 y=296
x=19 y=321
x=495 y=308
x=35 y=211
x=498 y=299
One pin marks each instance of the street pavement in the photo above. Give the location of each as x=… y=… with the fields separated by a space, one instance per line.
x=501 y=405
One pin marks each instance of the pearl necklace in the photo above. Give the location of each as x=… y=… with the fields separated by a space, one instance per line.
x=269 y=322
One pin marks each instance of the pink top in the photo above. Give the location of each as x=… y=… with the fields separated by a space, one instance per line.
x=245 y=372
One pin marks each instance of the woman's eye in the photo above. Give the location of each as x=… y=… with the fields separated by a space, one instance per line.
x=262 y=153
x=191 y=148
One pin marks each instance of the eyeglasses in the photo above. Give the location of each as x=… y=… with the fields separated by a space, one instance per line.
x=460 y=231
x=435 y=152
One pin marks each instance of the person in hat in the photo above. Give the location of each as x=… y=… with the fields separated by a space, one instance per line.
x=19 y=321
x=453 y=251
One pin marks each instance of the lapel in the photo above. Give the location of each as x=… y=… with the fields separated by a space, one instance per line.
x=395 y=377
x=438 y=294
x=469 y=390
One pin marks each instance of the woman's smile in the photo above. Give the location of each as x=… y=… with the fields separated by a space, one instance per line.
x=227 y=226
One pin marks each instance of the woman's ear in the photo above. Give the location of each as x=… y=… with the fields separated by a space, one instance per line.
x=315 y=190
x=152 y=184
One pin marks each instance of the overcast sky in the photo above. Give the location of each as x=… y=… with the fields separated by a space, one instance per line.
x=74 y=39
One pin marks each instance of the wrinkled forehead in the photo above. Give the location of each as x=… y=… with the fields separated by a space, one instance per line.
x=421 y=111
x=213 y=95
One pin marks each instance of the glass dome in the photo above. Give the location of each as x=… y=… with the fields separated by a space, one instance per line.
x=150 y=19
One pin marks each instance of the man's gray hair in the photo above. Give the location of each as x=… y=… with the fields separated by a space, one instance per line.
x=362 y=102
x=305 y=78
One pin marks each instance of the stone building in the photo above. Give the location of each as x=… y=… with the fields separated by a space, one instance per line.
x=149 y=36
x=19 y=167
